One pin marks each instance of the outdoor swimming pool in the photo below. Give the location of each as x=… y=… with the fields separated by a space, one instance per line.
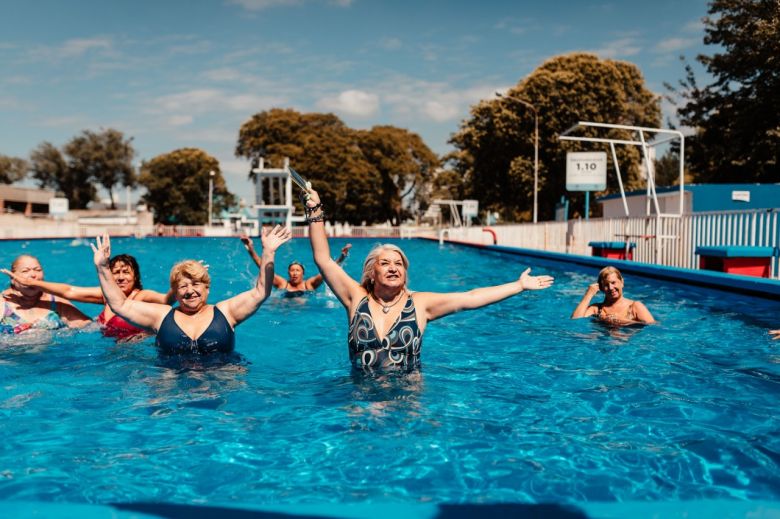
x=514 y=403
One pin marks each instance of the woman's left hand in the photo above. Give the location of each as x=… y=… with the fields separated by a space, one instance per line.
x=529 y=282
x=102 y=250
x=273 y=238
x=14 y=277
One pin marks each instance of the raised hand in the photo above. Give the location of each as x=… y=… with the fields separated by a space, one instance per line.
x=13 y=276
x=247 y=241
x=102 y=250
x=311 y=198
x=529 y=282
x=272 y=239
x=345 y=249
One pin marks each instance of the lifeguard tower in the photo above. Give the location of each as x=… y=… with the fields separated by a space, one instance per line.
x=273 y=194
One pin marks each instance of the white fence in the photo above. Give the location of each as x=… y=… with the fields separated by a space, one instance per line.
x=670 y=241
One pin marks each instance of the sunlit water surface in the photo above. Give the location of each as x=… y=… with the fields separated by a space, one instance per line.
x=514 y=402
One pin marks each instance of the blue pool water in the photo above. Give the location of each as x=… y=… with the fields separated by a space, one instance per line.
x=514 y=403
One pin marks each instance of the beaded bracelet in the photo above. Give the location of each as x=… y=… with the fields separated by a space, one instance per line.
x=308 y=210
x=319 y=218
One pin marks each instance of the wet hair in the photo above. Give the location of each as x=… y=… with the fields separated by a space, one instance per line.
x=604 y=274
x=130 y=262
x=368 y=265
x=190 y=269
x=16 y=261
x=295 y=262
x=19 y=258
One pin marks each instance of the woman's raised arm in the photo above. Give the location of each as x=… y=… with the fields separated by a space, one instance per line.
x=344 y=287
x=145 y=315
x=74 y=293
x=239 y=307
x=436 y=305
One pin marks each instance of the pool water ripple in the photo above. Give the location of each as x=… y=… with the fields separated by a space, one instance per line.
x=514 y=402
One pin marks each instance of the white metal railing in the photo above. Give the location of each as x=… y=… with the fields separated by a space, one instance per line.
x=670 y=241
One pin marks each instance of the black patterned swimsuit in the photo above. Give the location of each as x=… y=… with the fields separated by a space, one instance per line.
x=400 y=349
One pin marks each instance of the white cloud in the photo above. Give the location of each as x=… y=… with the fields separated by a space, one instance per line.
x=179 y=120
x=352 y=102
x=80 y=46
x=390 y=43
x=260 y=5
x=207 y=100
x=674 y=44
x=64 y=122
x=619 y=48
x=433 y=101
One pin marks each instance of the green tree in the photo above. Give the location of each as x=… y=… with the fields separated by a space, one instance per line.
x=354 y=171
x=737 y=117
x=50 y=169
x=405 y=167
x=12 y=169
x=177 y=185
x=495 y=146
x=106 y=157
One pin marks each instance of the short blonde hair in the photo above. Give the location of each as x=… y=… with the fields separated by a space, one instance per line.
x=368 y=265
x=190 y=269
x=604 y=274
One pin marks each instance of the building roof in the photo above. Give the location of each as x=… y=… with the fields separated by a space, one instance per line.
x=26 y=194
x=719 y=197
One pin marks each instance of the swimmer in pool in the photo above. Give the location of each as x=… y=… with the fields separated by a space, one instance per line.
x=615 y=309
x=194 y=326
x=295 y=285
x=386 y=319
x=127 y=275
x=27 y=307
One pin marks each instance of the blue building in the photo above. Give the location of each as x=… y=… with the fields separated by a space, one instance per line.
x=697 y=198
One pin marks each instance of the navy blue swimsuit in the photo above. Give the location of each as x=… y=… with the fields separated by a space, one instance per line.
x=400 y=349
x=218 y=337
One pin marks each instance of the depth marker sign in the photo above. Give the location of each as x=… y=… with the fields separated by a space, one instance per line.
x=586 y=171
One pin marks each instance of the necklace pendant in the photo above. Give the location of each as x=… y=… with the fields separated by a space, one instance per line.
x=386 y=309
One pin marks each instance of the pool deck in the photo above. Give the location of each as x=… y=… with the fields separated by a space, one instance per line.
x=749 y=285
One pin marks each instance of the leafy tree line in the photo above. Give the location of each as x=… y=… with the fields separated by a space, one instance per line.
x=389 y=174
x=371 y=175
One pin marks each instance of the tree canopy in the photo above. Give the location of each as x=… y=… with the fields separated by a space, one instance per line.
x=361 y=175
x=12 y=169
x=495 y=146
x=177 y=186
x=93 y=157
x=106 y=157
x=736 y=118
x=50 y=169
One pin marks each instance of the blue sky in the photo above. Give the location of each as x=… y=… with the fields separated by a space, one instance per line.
x=175 y=74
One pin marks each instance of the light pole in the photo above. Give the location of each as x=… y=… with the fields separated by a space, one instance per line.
x=536 y=148
x=211 y=192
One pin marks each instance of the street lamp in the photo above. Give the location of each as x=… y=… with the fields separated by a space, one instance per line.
x=211 y=192
x=536 y=148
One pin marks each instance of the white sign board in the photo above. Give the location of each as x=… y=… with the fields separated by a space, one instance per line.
x=58 y=206
x=740 y=196
x=586 y=171
x=470 y=209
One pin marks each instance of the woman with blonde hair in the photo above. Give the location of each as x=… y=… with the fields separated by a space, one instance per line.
x=386 y=319
x=194 y=326
x=615 y=309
